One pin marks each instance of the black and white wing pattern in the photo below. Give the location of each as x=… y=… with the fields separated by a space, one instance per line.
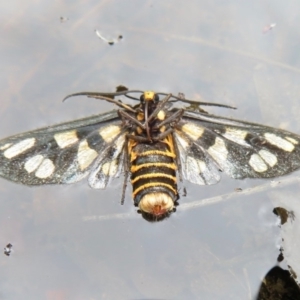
x=209 y=143
x=96 y=147
x=66 y=153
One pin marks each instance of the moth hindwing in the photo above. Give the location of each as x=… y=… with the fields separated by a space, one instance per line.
x=153 y=143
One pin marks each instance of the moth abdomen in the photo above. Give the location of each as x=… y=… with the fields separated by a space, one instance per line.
x=153 y=177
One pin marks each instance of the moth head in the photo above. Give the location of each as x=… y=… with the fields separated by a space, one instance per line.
x=149 y=96
x=158 y=205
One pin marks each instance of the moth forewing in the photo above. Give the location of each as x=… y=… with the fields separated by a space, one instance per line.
x=244 y=149
x=62 y=153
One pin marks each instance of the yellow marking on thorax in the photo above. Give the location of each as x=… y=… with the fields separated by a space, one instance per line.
x=153 y=184
x=139 y=130
x=149 y=95
x=162 y=129
x=140 y=116
x=161 y=115
x=134 y=169
x=153 y=175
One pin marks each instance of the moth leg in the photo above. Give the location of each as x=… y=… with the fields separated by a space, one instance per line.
x=128 y=117
x=126 y=171
x=137 y=138
x=178 y=162
x=164 y=134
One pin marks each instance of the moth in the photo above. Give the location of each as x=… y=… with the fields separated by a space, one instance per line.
x=154 y=143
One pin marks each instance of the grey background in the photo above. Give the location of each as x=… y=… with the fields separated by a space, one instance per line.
x=72 y=242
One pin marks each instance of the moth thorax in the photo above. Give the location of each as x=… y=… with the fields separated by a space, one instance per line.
x=156 y=204
x=149 y=95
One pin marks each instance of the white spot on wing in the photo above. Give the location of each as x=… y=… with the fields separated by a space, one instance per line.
x=279 y=142
x=33 y=163
x=19 y=148
x=257 y=163
x=193 y=131
x=46 y=169
x=108 y=133
x=268 y=157
x=119 y=144
x=218 y=151
x=236 y=135
x=183 y=142
x=110 y=168
x=85 y=155
x=295 y=142
x=5 y=146
x=66 y=139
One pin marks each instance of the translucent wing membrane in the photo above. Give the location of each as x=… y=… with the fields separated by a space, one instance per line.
x=109 y=164
x=240 y=149
x=196 y=164
x=65 y=153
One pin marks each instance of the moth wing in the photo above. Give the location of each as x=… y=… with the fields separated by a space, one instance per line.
x=60 y=154
x=240 y=149
x=196 y=165
x=110 y=165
